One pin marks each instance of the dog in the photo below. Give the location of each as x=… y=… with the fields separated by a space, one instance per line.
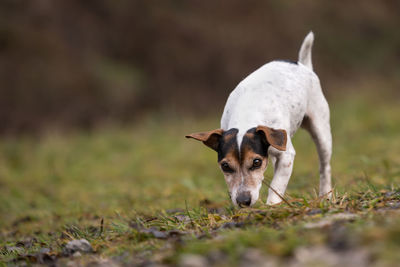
x=260 y=117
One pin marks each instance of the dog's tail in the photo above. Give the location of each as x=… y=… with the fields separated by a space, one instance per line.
x=305 y=50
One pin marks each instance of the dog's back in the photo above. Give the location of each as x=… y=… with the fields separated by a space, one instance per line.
x=275 y=95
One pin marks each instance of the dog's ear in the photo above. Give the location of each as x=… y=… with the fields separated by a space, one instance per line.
x=210 y=138
x=275 y=137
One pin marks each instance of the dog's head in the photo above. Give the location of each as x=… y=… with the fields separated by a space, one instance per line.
x=244 y=163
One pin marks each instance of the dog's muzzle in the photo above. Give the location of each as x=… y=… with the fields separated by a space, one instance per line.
x=243 y=199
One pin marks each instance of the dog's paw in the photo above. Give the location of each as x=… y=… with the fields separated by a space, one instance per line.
x=273 y=200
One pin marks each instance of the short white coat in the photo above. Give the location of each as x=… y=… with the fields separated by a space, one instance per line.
x=284 y=95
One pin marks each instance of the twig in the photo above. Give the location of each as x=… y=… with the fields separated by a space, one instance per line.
x=101 y=226
x=279 y=195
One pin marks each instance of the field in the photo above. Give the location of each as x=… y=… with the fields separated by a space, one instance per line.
x=144 y=195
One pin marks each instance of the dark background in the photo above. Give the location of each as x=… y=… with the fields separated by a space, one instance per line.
x=72 y=63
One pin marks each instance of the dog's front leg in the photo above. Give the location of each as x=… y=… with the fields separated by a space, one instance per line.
x=283 y=166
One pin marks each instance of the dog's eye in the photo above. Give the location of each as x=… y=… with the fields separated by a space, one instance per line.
x=256 y=164
x=225 y=167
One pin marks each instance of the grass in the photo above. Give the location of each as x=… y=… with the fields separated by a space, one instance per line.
x=144 y=193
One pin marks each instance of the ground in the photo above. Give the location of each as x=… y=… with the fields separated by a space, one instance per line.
x=144 y=195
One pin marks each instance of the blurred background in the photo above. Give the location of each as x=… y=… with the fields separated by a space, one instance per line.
x=78 y=64
x=97 y=95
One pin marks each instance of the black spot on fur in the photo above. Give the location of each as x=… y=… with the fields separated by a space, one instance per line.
x=227 y=143
x=257 y=143
x=287 y=61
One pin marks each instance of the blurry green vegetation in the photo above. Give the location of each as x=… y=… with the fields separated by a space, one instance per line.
x=59 y=186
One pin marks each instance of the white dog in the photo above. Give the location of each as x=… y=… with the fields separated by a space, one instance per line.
x=260 y=118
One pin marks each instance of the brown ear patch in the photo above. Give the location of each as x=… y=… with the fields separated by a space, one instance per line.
x=210 y=138
x=275 y=137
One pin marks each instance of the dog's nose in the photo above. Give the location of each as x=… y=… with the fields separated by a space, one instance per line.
x=243 y=199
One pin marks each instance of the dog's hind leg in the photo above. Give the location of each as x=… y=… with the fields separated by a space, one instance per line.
x=317 y=124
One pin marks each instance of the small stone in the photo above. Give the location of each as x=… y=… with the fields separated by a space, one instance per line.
x=104 y=263
x=155 y=233
x=393 y=204
x=27 y=243
x=159 y=234
x=330 y=219
x=44 y=256
x=323 y=256
x=81 y=245
x=216 y=256
x=314 y=256
x=254 y=257
x=44 y=250
x=314 y=211
x=135 y=225
x=174 y=211
x=71 y=264
x=192 y=260
x=13 y=249
x=182 y=218
x=76 y=254
x=392 y=193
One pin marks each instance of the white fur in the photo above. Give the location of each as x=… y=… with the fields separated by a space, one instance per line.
x=305 y=50
x=281 y=95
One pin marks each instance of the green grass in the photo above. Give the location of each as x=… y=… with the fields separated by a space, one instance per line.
x=61 y=186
